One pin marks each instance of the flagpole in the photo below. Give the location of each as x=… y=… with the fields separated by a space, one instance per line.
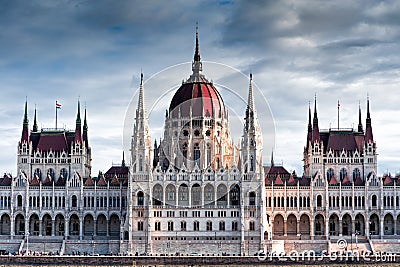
x=56 y=114
x=338 y=105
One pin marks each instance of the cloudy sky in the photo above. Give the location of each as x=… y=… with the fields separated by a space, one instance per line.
x=95 y=50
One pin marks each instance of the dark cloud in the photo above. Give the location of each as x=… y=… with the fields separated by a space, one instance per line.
x=95 y=50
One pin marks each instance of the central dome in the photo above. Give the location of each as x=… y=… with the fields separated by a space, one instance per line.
x=197 y=97
x=200 y=98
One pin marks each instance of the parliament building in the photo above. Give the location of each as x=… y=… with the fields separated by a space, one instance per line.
x=196 y=191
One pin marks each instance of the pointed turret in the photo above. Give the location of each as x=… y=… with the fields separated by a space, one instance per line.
x=272 y=159
x=250 y=110
x=368 y=126
x=35 y=127
x=25 y=125
x=141 y=145
x=360 y=126
x=309 y=130
x=315 y=132
x=78 y=130
x=197 y=66
x=85 y=131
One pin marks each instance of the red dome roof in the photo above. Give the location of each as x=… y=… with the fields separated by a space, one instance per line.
x=201 y=96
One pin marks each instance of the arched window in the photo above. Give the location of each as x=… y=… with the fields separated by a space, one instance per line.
x=19 y=201
x=208 y=154
x=140 y=199
x=74 y=201
x=209 y=226
x=38 y=173
x=64 y=173
x=222 y=226
x=196 y=153
x=51 y=173
x=374 y=201
x=252 y=198
x=319 y=201
x=356 y=174
x=196 y=226
x=343 y=173
x=329 y=174
x=234 y=195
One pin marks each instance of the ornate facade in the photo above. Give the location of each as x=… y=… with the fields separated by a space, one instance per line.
x=200 y=193
x=195 y=191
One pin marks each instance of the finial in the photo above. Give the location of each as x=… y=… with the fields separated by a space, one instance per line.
x=35 y=127
x=197 y=51
x=78 y=116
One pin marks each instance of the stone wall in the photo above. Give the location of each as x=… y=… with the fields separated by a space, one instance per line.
x=10 y=245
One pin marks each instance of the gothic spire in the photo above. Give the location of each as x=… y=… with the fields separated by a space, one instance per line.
x=272 y=159
x=78 y=133
x=197 y=50
x=197 y=65
x=368 y=127
x=85 y=130
x=315 y=132
x=141 y=95
x=360 y=126
x=250 y=110
x=25 y=125
x=35 y=127
x=123 y=159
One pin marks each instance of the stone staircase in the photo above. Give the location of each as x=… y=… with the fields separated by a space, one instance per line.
x=48 y=245
x=359 y=245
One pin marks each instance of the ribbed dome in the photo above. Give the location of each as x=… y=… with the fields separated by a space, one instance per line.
x=201 y=96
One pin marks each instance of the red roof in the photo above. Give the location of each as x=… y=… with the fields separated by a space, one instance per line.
x=52 y=141
x=346 y=181
x=291 y=180
x=202 y=97
x=61 y=181
x=339 y=140
x=89 y=181
x=34 y=181
x=333 y=181
x=6 y=181
x=304 y=181
x=388 y=180
x=114 y=181
x=278 y=180
x=101 y=181
x=48 y=181
x=359 y=181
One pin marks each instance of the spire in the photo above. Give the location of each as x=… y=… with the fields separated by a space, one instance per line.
x=197 y=65
x=309 y=130
x=315 y=132
x=25 y=125
x=35 y=127
x=250 y=99
x=250 y=110
x=85 y=130
x=360 y=126
x=141 y=94
x=123 y=159
x=78 y=133
x=197 y=50
x=368 y=127
x=272 y=159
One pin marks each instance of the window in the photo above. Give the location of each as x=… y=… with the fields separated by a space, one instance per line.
x=374 y=201
x=140 y=198
x=74 y=201
x=170 y=226
x=209 y=226
x=252 y=198
x=157 y=226
x=319 y=201
x=234 y=226
x=196 y=226
x=183 y=226
x=251 y=226
x=222 y=226
x=140 y=226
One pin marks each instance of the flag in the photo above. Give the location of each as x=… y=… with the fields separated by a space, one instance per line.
x=58 y=105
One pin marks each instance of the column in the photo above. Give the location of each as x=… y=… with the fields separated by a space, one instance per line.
x=53 y=227
x=66 y=228
x=12 y=228
x=80 y=228
x=298 y=227
x=340 y=227
x=285 y=227
x=108 y=228
x=94 y=227
x=381 y=227
x=40 y=227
